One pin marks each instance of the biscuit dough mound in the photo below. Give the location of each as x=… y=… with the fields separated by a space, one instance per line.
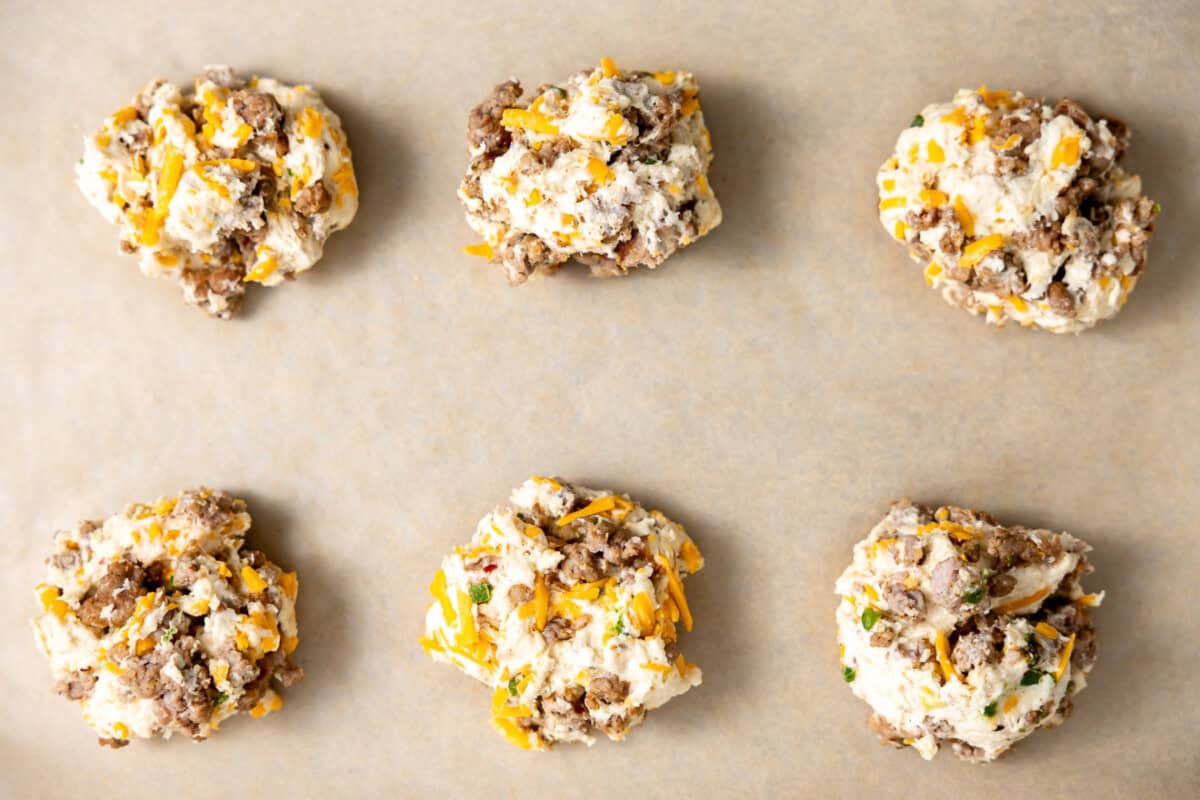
x=227 y=183
x=566 y=603
x=609 y=168
x=159 y=621
x=1019 y=210
x=957 y=630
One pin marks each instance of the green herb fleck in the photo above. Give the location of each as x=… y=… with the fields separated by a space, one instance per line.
x=1033 y=653
x=512 y=686
x=171 y=581
x=222 y=698
x=81 y=161
x=848 y=674
x=651 y=160
x=990 y=709
x=1156 y=208
x=618 y=627
x=170 y=634
x=973 y=595
x=917 y=122
x=480 y=592
x=869 y=617
x=1031 y=677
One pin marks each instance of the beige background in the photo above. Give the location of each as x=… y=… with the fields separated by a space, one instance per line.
x=772 y=388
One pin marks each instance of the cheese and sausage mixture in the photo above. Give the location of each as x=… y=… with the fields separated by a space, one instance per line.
x=609 y=168
x=957 y=630
x=229 y=183
x=158 y=620
x=1019 y=210
x=567 y=603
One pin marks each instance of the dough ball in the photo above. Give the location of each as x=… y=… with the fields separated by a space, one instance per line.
x=959 y=631
x=609 y=168
x=226 y=183
x=159 y=621
x=567 y=603
x=1019 y=210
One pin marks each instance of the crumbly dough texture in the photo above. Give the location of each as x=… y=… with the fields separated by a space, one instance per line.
x=566 y=602
x=957 y=630
x=228 y=183
x=608 y=168
x=1019 y=210
x=159 y=621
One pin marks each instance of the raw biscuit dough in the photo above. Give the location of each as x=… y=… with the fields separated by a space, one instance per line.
x=609 y=168
x=1019 y=210
x=228 y=183
x=566 y=603
x=159 y=621
x=959 y=631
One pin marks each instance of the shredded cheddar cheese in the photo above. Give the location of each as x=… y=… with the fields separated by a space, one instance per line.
x=691 y=556
x=932 y=197
x=310 y=122
x=949 y=671
x=965 y=218
x=598 y=506
x=252 y=579
x=528 y=120
x=599 y=171
x=541 y=601
x=438 y=590
x=978 y=130
x=979 y=249
x=956 y=117
x=1066 y=153
x=1047 y=630
x=642 y=613
x=675 y=588
x=1016 y=605
x=1064 y=658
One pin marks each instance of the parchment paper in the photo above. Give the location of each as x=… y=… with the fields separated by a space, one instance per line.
x=772 y=388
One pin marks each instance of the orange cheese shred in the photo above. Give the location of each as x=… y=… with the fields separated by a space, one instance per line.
x=675 y=589
x=943 y=657
x=977 y=250
x=438 y=590
x=1066 y=153
x=541 y=602
x=597 y=506
x=1047 y=630
x=528 y=120
x=1064 y=658
x=1014 y=605
x=642 y=612
x=252 y=579
x=932 y=197
x=965 y=218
